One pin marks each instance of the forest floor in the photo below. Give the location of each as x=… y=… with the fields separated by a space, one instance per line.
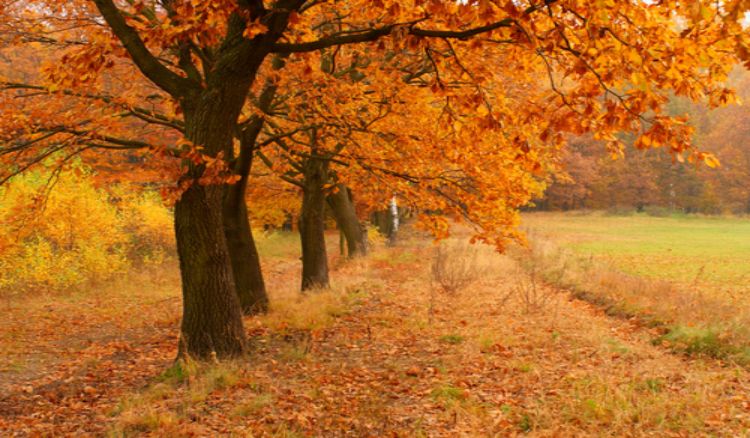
x=385 y=352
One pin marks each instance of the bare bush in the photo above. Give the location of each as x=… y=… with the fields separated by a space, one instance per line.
x=456 y=266
x=532 y=294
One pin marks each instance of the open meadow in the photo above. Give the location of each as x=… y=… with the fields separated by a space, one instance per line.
x=687 y=275
x=712 y=251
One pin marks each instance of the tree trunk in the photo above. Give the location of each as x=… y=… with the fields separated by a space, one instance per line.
x=387 y=221
x=212 y=316
x=211 y=106
x=211 y=320
x=382 y=221
x=342 y=205
x=248 y=276
x=312 y=225
x=393 y=216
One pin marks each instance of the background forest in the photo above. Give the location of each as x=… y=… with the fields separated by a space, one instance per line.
x=656 y=182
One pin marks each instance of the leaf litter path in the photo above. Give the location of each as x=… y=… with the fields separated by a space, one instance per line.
x=405 y=360
x=66 y=360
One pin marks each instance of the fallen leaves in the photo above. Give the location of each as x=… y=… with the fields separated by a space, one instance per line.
x=381 y=369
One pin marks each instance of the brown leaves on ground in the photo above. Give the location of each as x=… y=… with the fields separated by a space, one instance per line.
x=382 y=355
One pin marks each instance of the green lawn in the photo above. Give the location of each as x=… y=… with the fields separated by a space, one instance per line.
x=706 y=250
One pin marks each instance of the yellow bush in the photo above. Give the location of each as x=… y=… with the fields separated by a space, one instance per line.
x=150 y=226
x=55 y=237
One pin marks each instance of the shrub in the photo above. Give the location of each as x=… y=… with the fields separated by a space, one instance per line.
x=619 y=210
x=455 y=266
x=657 y=211
x=57 y=230
x=149 y=225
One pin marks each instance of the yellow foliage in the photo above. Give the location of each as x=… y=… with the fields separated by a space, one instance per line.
x=150 y=225
x=57 y=236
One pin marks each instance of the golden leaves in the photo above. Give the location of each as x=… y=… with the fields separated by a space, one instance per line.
x=704 y=157
x=471 y=124
x=254 y=29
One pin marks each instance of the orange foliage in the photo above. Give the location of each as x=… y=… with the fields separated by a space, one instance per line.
x=476 y=95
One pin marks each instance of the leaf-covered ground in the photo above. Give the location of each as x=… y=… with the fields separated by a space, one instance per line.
x=385 y=353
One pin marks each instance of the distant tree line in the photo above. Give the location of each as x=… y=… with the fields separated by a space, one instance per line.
x=654 y=180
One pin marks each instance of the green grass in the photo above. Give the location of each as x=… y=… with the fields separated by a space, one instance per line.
x=285 y=245
x=277 y=244
x=685 y=275
x=452 y=339
x=686 y=249
x=448 y=393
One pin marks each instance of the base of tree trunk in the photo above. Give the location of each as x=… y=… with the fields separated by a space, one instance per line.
x=212 y=320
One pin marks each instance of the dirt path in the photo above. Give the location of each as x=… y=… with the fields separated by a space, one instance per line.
x=402 y=360
x=482 y=366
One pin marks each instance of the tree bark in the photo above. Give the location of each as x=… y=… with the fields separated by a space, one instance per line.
x=388 y=221
x=312 y=225
x=381 y=220
x=211 y=320
x=342 y=206
x=212 y=316
x=393 y=215
x=248 y=276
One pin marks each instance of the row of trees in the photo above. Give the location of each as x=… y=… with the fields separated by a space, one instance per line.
x=461 y=108
x=647 y=179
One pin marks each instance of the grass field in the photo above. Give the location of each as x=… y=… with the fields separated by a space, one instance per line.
x=687 y=275
x=711 y=251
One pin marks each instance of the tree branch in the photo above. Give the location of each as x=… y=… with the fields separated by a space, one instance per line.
x=144 y=114
x=377 y=33
x=146 y=62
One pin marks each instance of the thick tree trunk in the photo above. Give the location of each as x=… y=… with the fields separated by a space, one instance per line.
x=312 y=225
x=212 y=316
x=248 y=276
x=211 y=321
x=342 y=206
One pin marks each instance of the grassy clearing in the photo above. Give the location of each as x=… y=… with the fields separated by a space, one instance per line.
x=712 y=251
x=277 y=244
x=681 y=274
